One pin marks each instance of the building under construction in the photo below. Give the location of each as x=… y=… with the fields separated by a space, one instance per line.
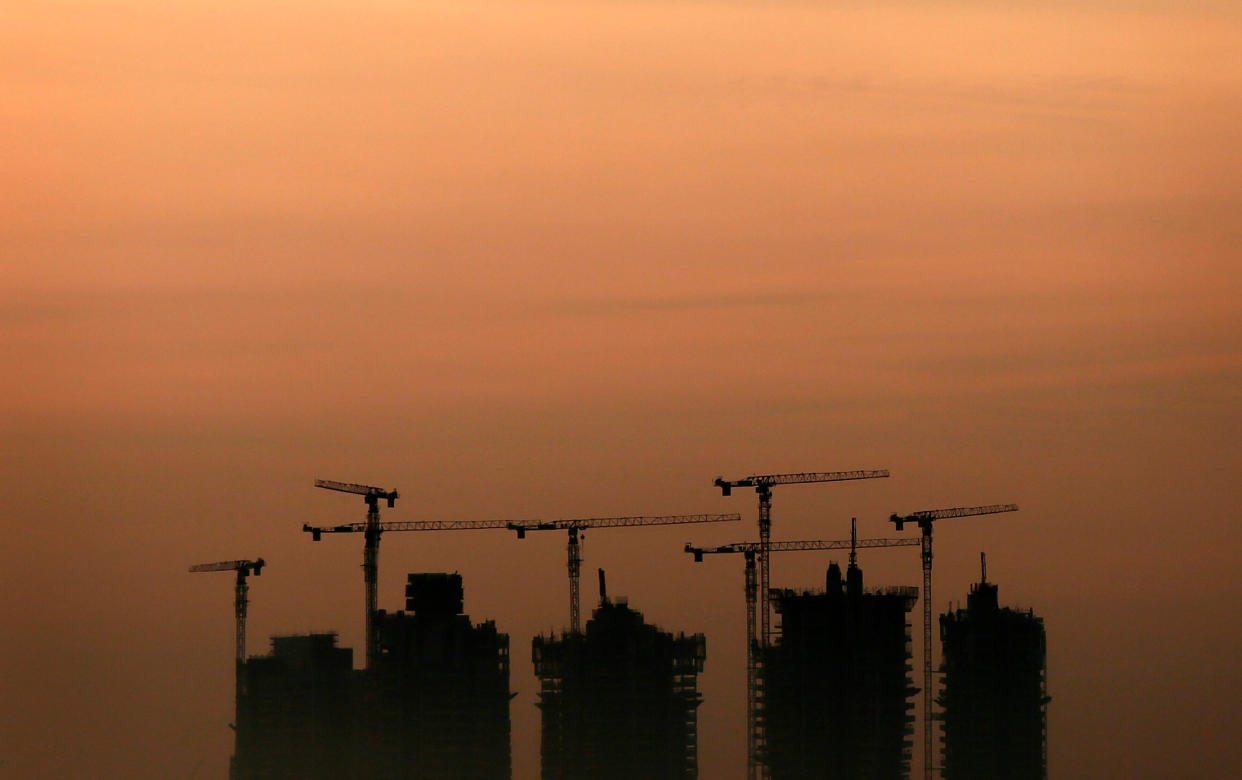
x=994 y=698
x=836 y=693
x=434 y=707
x=620 y=700
x=296 y=711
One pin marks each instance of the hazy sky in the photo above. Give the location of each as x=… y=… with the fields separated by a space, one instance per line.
x=540 y=259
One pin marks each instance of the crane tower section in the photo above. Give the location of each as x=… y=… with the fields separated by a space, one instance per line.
x=763 y=484
x=370 y=552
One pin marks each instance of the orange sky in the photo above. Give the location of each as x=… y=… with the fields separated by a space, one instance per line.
x=572 y=259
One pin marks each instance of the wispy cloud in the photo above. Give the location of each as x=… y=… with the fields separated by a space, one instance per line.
x=1094 y=91
x=621 y=306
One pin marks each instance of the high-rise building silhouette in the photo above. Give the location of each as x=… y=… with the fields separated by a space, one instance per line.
x=295 y=713
x=620 y=700
x=994 y=698
x=434 y=706
x=835 y=685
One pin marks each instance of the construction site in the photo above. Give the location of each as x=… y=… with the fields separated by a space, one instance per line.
x=831 y=690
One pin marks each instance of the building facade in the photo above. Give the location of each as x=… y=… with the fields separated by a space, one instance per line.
x=620 y=700
x=994 y=697
x=435 y=707
x=437 y=702
x=836 y=687
x=296 y=711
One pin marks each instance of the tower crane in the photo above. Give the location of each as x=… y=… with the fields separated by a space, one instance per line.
x=370 y=550
x=316 y=531
x=241 y=589
x=243 y=569
x=574 y=528
x=925 y=520
x=755 y=736
x=763 y=486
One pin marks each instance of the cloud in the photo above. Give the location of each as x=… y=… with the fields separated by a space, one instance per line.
x=612 y=307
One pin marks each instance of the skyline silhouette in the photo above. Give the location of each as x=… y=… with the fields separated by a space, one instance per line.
x=620 y=698
x=552 y=259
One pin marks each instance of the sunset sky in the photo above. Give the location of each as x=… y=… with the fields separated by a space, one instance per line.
x=563 y=259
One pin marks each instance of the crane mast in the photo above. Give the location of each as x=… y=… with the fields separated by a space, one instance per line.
x=756 y=766
x=756 y=744
x=925 y=520
x=574 y=554
x=243 y=568
x=370 y=550
x=574 y=528
x=763 y=483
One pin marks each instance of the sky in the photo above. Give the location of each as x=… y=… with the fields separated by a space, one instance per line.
x=549 y=259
